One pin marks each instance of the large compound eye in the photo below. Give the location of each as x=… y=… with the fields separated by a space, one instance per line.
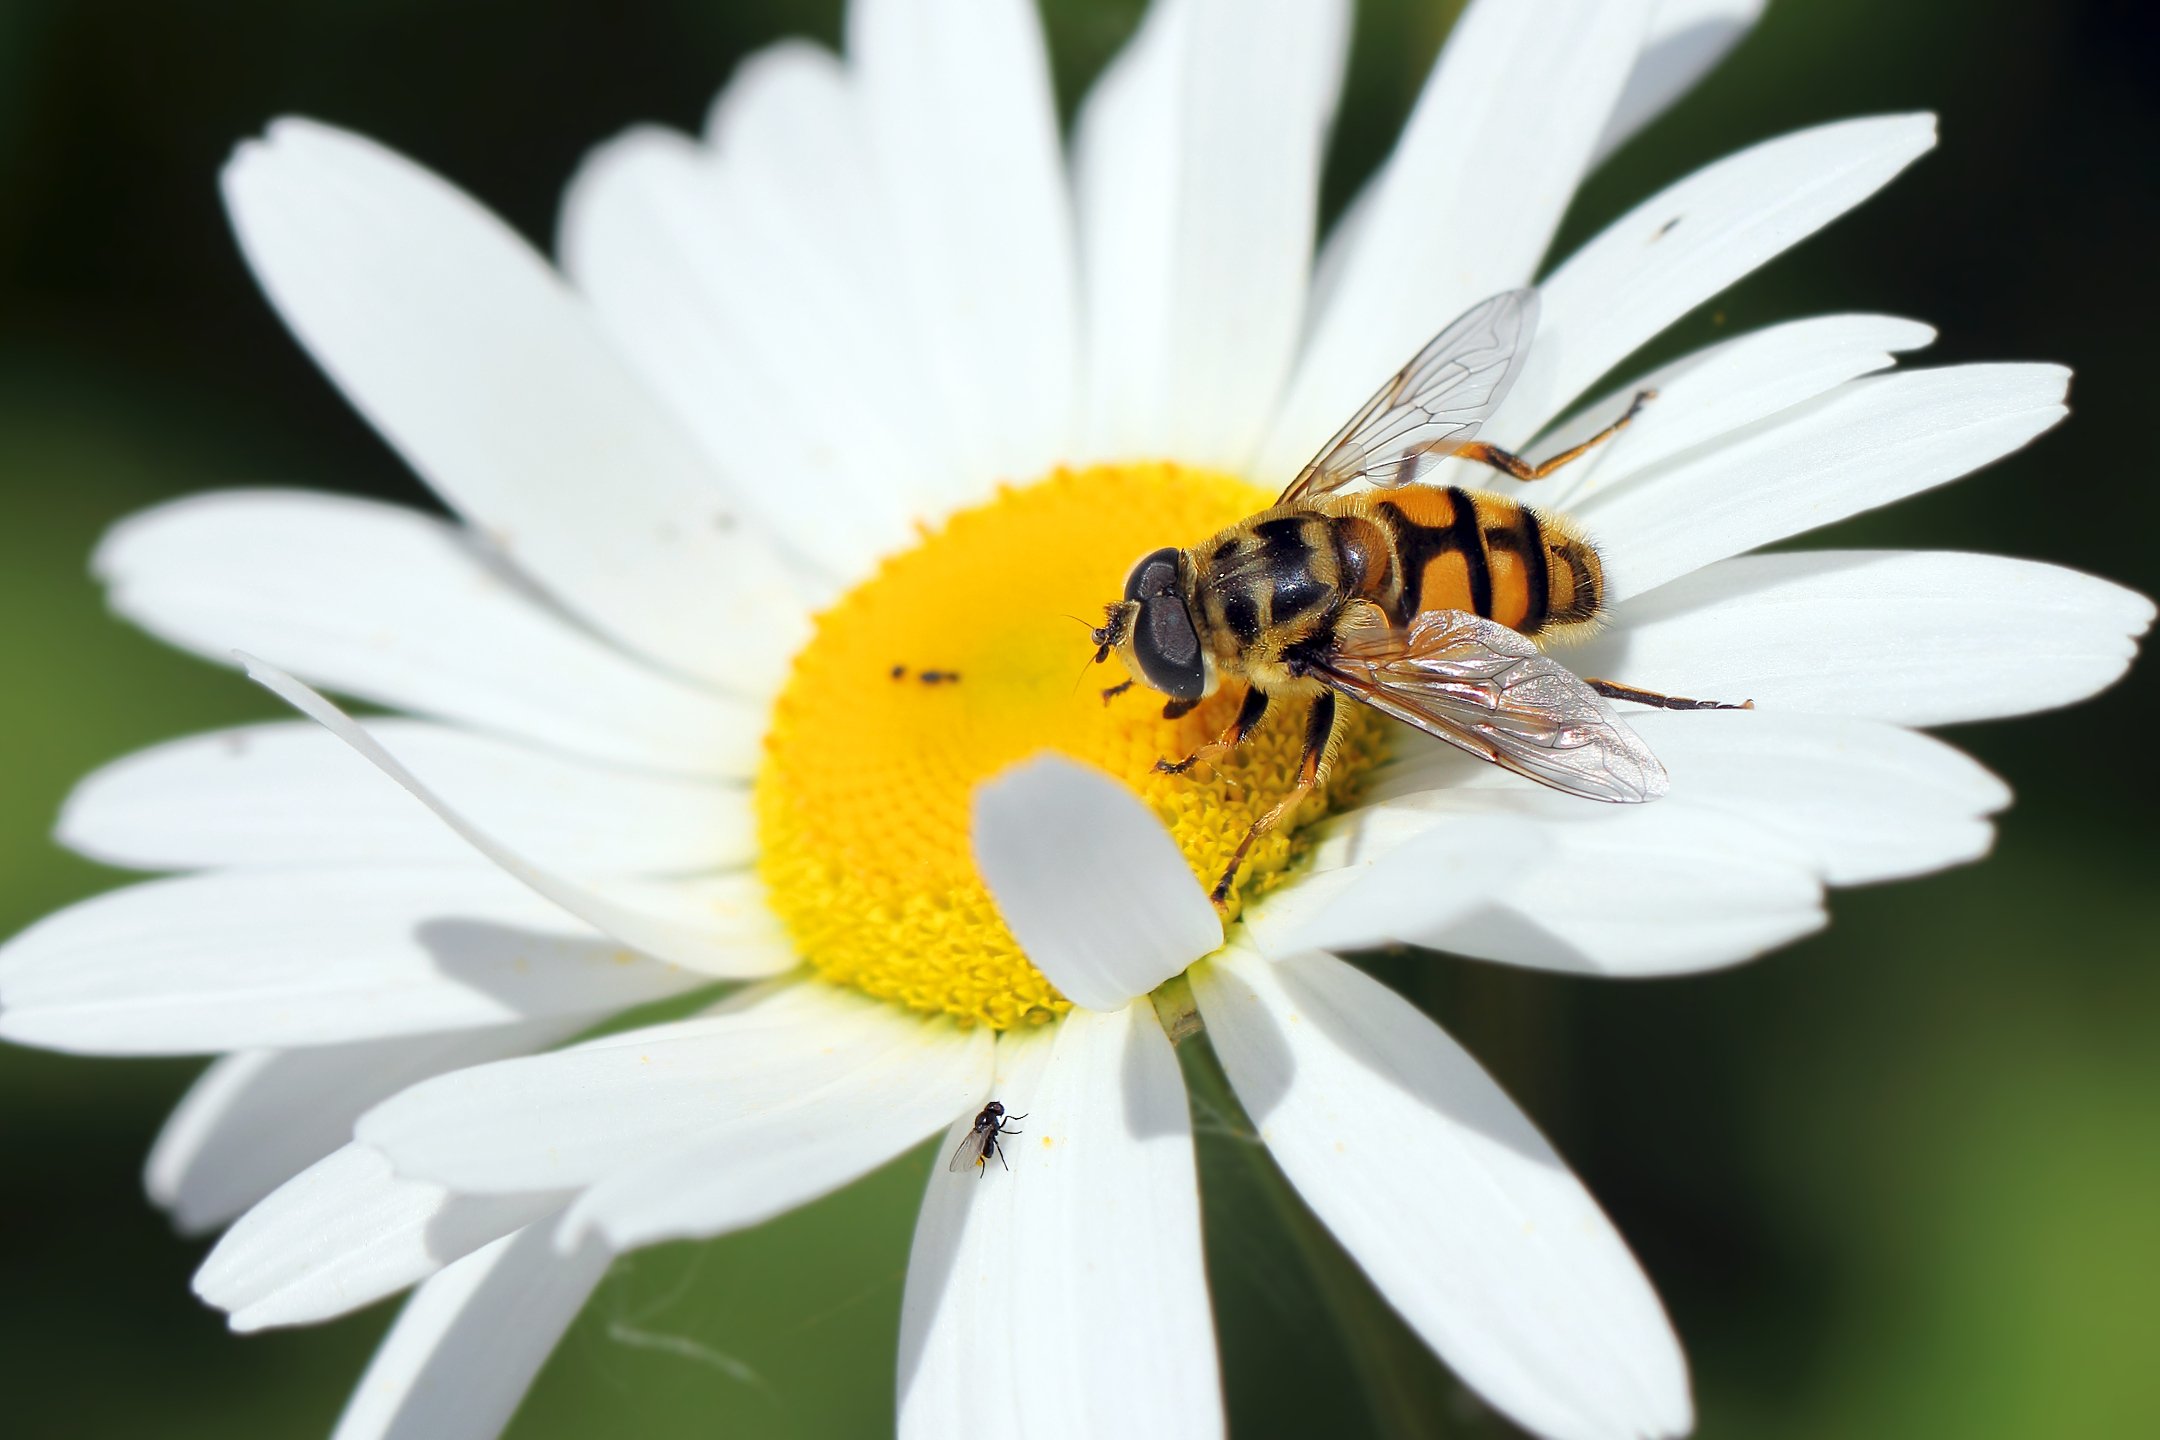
x=1168 y=648
x=1156 y=574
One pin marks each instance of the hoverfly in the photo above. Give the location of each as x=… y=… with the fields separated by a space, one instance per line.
x=1426 y=603
x=981 y=1142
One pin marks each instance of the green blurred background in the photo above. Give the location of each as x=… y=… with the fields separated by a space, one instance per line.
x=1902 y=1179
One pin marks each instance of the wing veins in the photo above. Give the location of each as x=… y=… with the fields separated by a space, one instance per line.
x=1432 y=406
x=1483 y=688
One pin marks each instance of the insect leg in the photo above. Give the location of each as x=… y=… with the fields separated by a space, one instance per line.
x=1249 y=716
x=1613 y=691
x=1522 y=469
x=1319 y=740
x=1116 y=690
x=1178 y=709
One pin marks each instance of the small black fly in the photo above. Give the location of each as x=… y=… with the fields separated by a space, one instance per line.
x=980 y=1143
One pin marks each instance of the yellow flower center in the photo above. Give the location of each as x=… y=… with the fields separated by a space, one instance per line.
x=958 y=658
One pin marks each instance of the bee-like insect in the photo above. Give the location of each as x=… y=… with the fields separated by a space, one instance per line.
x=1426 y=603
x=981 y=1142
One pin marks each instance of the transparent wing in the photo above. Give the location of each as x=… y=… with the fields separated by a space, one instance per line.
x=1433 y=405
x=970 y=1151
x=1481 y=686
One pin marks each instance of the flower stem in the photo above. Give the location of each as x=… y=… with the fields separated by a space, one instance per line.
x=1403 y=1389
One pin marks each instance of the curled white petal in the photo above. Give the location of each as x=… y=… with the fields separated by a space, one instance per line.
x=1092 y=886
x=690 y=932
x=288 y=794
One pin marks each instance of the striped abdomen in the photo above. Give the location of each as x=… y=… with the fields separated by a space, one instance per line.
x=1423 y=547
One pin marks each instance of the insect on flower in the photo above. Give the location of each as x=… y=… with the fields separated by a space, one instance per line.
x=981 y=1142
x=1427 y=603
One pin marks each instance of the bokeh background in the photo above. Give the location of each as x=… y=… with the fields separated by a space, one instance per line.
x=1902 y=1179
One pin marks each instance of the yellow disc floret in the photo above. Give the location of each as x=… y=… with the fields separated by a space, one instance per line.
x=958 y=658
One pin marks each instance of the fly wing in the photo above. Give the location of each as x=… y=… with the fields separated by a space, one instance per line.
x=1481 y=686
x=1433 y=406
x=970 y=1149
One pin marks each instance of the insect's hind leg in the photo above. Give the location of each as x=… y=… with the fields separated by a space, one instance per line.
x=1249 y=716
x=1522 y=469
x=1312 y=763
x=1612 y=690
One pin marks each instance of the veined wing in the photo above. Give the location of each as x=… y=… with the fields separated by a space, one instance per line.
x=1434 y=404
x=1479 y=685
x=970 y=1151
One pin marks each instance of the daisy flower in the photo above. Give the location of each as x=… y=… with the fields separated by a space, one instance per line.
x=741 y=657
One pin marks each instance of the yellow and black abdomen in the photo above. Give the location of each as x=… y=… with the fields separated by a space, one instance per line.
x=1424 y=547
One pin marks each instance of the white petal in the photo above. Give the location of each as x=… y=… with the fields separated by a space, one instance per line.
x=1866 y=801
x=255 y=1119
x=389 y=605
x=1447 y=1196
x=1762 y=806
x=344 y=1233
x=238 y=959
x=955 y=96
x=708 y=286
x=1197 y=162
x=1864 y=444
x=1379 y=886
x=1709 y=395
x=718 y=928
x=1918 y=637
x=1687 y=39
x=795 y=167
x=288 y=794
x=492 y=380
x=1688 y=242
x=1468 y=202
x=1067 y=1297
x=1089 y=882
x=1657 y=889
x=469 y=1342
x=577 y=1116
x=752 y=1164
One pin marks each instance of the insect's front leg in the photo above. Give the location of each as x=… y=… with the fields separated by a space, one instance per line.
x=1249 y=716
x=1312 y=765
